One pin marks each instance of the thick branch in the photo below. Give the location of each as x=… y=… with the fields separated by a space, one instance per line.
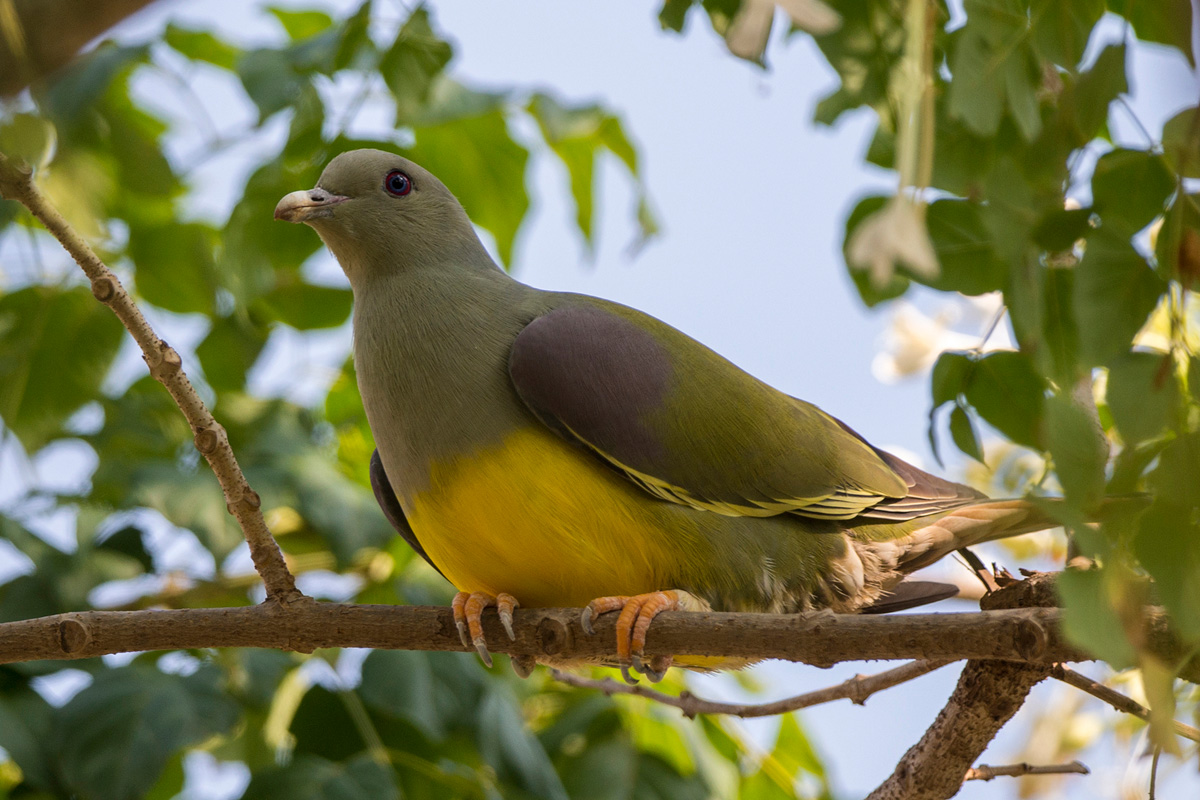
x=165 y=365
x=823 y=639
x=39 y=36
x=987 y=695
x=856 y=690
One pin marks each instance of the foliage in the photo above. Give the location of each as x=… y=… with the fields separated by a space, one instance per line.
x=1017 y=98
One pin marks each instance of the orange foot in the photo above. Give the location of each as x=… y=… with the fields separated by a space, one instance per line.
x=637 y=612
x=468 y=610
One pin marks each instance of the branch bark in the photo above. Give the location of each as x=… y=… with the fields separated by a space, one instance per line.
x=39 y=36
x=16 y=183
x=822 y=639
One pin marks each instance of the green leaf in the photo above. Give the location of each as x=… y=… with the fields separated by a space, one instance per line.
x=417 y=56
x=117 y=735
x=324 y=727
x=402 y=684
x=26 y=733
x=1115 y=291
x=306 y=306
x=898 y=283
x=313 y=778
x=270 y=80
x=28 y=138
x=1059 y=358
x=1176 y=479
x=202 y=46
x=673 y=14
x=968 y=261
x=229 y=351
x=301 y=24
x=1061 y=29
x=963 y=433
x=1059 y=229
x=794 y=751
x=995 y=69
x=1130 y=188
x=506 y=744
x=80 y=85
x=55 y=349
x=175 y=266
x=1089 y=97
x=1089 y=620
x=128 y=542
x=1164 y=21
x=864 y=51
x=1143 y=395
x=1181 y=142
x=1079 y=449
x=1168 y=546
x=485 y=168
x=1178 y=247
x=1006 y=391
x=950 y=375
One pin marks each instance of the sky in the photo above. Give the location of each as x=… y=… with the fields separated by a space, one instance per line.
x=752 y=197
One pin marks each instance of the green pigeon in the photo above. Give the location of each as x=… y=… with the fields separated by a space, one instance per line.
x=555 y=449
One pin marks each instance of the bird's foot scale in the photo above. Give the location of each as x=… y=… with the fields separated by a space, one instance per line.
x=637 y=612
x=468 y=612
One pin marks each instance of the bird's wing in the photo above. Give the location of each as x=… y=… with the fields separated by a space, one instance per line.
x=386 y=497
x=689 y=426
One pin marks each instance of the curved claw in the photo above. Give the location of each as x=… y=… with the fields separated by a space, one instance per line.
x=601 y=605
x=585 y=621
x=481 y=649
x=637 y=612
x=632 y=681
x=458 y=606
x=522 y=665
x=505 y=604
x=656 y=670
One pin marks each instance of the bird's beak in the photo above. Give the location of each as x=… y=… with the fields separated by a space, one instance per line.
x=303 y=206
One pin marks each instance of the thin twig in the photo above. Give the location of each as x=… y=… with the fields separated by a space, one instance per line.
x=856 y=690
x=16 y=183
x=1116 y=699
x=985 y=773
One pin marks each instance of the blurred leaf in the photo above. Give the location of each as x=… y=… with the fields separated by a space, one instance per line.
x=55 y=348
x=1168 y=546
x=1080 y=451
x=863 y=51
x=306 y=306
x=963 y=433
x=1165 y=21
x=507 y=745
x=484 y=167
x=314 y=778
x=1130 y=187
x=301 y=24
x=950 y=375
x=1177 y=478
x=964 y=250
x=170 y=783
x=1181 y=142
x=128 y=542
x=794 y=751
x=1177 y=249
x=324 y=728
x=1115 y=291
x=175 y=268
x=1143 y=394
x=202 y=46
x=1061 y=30
x=78 y=87
x=28 y=138
x=270 y=80
x=118 y=734
x=1059 y=229
x=417 y=56
x=1088 y=617
x=994 y=69
x=1090 y=96
x=26 y=733
x=229 y=351
x=401 y=684
x=1008 y=394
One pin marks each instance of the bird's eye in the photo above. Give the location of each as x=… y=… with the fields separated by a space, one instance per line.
x=397 y=183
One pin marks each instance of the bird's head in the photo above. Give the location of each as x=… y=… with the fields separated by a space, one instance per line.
x=381 y=213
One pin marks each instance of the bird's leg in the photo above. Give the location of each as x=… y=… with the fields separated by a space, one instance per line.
x=468 y=612
x=637 y=612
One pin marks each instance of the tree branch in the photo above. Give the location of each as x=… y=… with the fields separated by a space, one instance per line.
x=987 y=695
x=16 y=183
x=985 y=773
x=39 y=36
x=822 y=639
x=1117 y=700
x=856 y=689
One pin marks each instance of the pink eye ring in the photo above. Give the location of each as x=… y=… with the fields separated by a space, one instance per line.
x=397 y=183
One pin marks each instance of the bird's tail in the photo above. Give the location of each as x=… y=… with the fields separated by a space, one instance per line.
x=919 y=542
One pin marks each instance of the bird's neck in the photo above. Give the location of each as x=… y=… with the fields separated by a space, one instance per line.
x=431 y=351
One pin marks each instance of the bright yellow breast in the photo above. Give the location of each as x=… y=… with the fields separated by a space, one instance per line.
x=545 y=522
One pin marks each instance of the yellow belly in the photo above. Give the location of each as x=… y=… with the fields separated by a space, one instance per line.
x=546 y=522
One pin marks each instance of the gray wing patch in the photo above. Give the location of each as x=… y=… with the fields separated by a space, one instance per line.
x=386 y=497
